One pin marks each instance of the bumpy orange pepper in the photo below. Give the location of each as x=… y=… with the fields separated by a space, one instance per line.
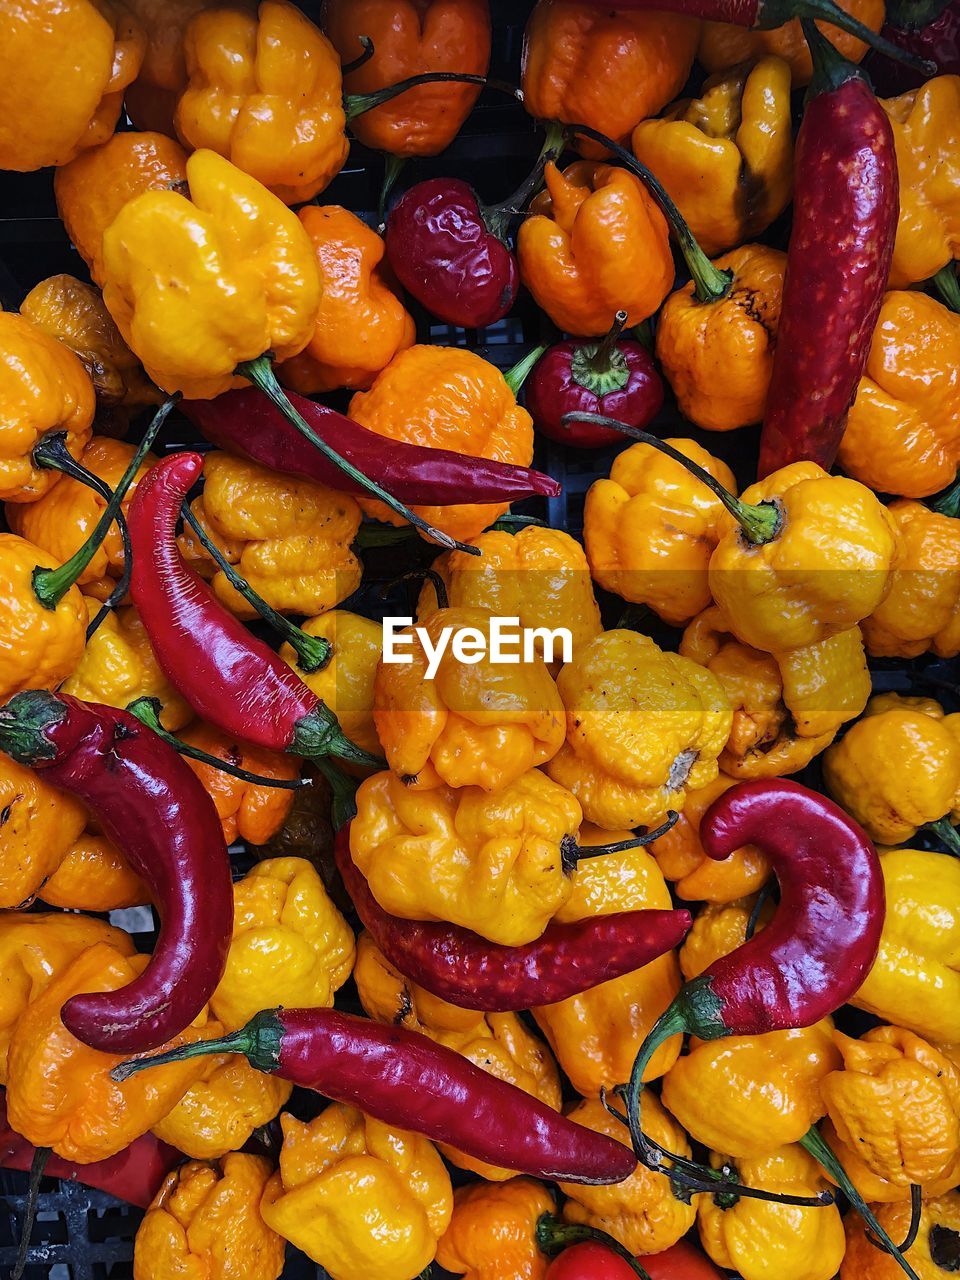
x=247 y=811
x=933 y=1255
x=219 y=1113
x=492 y=1234
x=718 y=929
x=39 y=648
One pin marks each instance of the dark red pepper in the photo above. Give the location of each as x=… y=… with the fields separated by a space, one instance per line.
x=845 y=209
x=408 y=1081
x=154 y=809
x=926 y=28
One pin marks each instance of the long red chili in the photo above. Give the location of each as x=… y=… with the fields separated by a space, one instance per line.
x=229 y=677
x=406 y=1080
x=246 y=423
x=845 y=210
x=153 y=807
x=467 y=970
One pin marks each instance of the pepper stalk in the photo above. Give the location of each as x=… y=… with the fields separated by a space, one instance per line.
x=553 y=1237
x=601 y=367
x=948 y=286
x=258 y=1041
x=572 y=853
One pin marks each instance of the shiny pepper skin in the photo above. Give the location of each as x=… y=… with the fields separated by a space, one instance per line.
x=651 y=528
x=726 y=157
x=492 y=1234
x=243 y=278
x=206 y=1221
x=483 y=724
x=488 y=861
x=219 y=1113
x=247 y=811
x=264 y=91
x=288 y=537
x=447 y=398
x=43 y=387
x=764 y=1241
x=641 y=1212
x=498 y=1043
x=643 y=726
x=718 y=356
x=362 y=323
x=291 y=946
x=926 y=130
x=934 y=1255
x=39 y=648
x=826 y=569
x=595 y=243
x=903 y=430
x=90 y=50
x=357 y=1197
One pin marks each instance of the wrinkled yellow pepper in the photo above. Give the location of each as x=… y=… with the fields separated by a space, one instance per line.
x=39 y=648
x=492 y=1234
x=935 y=1245
x=718 y=929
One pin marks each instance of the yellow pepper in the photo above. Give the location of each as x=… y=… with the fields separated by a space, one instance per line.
x=205 y=1222
x=726 y=157
x=291 y=946
x=749 y=1095
x=220 y=1112
x=39 y=648
x=651 y=528
x=357 y=1197
x=932 y=1256
x=491 y=862
x=718 y=929
x=642 y=1212
x=765 y=1241
x=199 y=285
x=498 y=1043
x=483 y=723
x=788 y=707
x=492 y=1234
x=643 y=727
x=915 y=979
x=247 y=810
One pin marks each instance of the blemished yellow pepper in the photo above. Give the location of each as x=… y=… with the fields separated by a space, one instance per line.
x=291 y=946
x=489 y=861
x=788 y=707
x=346 y=683
x=643 y=728
x=824 y=571
x=288 y=537
x=926 y=131
x=220 y=1112
x=205 y=1221
x=718 y=929
x=726 y=157
x=915 y=979
x=764 y=1241
x=498 y=1043
x=492 y=1234
x=641 y=1212
x=483 y=724
x=749 y=1095
x=39 y=648
x=197 y=285
x=357 y=1197
x=932 y=1256
x=596 y=1035
x=651 y=528
x=897 y=769
x=247 y=810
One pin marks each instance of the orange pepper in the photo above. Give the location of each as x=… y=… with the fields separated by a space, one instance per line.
x=492 y=1234
x=247 y=811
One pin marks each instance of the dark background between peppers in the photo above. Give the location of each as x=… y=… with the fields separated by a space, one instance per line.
x=82 y=1234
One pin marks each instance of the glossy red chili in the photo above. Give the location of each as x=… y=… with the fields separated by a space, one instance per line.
x=591 y=1261
x=925 y=28
x=152 y=806
x=682 y=1262
x=845 y=208
x=408 y=1081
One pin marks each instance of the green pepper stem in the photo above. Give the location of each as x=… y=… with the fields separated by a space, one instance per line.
x=361 y=59
x=37 y=1166
x=343 y=791
x=913 y=1230
x=911 y=15
x=318 y=734
x=554 y=1236
x=599 y=359
x=260 y=373
x=357 y=104
x=773 y=13
x=571 y=852
x=517 y=376
x=948 y=502
x=392 y=168
x=948 y=286
x=260 y=1041
x=313 y=652
x=497 y=217
x=947 y=833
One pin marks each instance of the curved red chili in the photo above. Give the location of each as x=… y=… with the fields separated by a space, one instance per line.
x=155 y=810
x=926 y=29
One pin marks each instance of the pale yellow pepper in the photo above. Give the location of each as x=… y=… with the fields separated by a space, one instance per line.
x=220 y=1112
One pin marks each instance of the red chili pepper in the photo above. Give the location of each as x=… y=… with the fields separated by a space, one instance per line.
x=153 y=807
x=616 y=376
x=467 y=970
x=404 y=1079
x=925 y=28
x=230 y=678
x=591 y=1261
x=845 y=210
x=246 y=423
x=682 y=1262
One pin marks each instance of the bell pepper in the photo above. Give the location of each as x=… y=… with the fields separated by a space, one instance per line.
x=718 y=356
x=935 y=1253
x=727 y=156
x=903 y=429
x=626 y=764
x=39 y=648
x=788 y=707
x=650 y=529
x=247 y=811
x=498 y=1043
x=205 y=1220
x=595 y=243
x=220 y=1112
x=492 y=1234
x=759 y=1239
x=358 y=1197
x=89 y=49
x=290 y=943
x=362 y=323
x=720 y=928
x=483 y=724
